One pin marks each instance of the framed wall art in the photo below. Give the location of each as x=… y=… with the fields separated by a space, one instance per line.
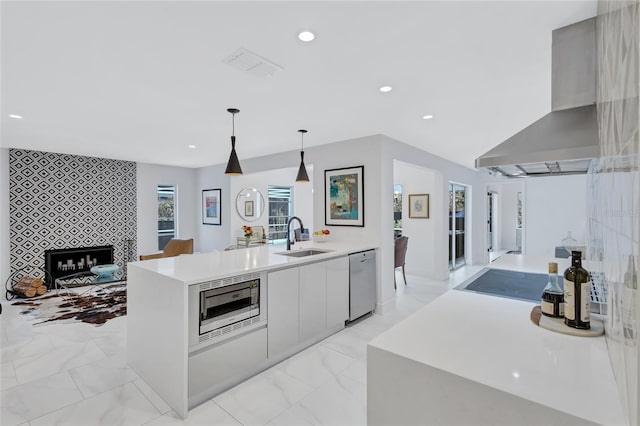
x=211 y=199
x=344 y=196
x=419 y=206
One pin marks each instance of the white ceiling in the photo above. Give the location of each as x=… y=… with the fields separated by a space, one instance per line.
x=142 y=80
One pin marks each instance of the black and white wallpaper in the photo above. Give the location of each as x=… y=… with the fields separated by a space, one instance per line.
x=65 y=201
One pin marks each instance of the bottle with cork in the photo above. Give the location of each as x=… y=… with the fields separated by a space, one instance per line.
x=577 y=294
x=552 y=296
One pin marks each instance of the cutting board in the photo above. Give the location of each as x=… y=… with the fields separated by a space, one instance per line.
x=558 y=325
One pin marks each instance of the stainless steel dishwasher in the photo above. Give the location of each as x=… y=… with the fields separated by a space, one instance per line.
x=362 y=283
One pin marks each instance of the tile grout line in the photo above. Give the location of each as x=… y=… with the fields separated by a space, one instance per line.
x=148 y=399
x=65 y=370
x=60 y=408
x=76 y=383
x=223 y=409
x=15 y=375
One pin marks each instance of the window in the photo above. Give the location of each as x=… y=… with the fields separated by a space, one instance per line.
x=280 y=209
x=166 y=215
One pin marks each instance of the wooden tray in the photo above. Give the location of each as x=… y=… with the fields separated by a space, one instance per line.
x=558 y=325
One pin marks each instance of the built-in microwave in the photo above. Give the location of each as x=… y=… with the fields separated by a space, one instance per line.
x=223 y=308
x=229 y=304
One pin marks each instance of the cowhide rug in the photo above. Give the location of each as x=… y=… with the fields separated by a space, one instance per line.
x=93 y=308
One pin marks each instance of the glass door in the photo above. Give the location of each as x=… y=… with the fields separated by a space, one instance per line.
x=457 y=208
x=166 y=214
x=397 y=211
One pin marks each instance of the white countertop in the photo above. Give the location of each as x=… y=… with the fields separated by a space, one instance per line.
x=200 y=267
x=492 y=341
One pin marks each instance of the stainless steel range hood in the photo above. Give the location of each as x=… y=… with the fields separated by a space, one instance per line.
x=565 y=140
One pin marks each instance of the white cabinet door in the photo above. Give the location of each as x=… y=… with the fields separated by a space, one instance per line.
x=313 y=300
x=282 y=310
x=337 y=291
x=237 y=356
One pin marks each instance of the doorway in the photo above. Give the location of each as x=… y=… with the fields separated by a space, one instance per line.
x=457 y=210
x=492 y=218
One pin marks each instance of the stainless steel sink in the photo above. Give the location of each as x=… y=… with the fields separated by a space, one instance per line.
x=303 y=253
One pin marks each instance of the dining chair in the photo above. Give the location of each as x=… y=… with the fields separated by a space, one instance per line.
x=400 y=251
x=173 y=248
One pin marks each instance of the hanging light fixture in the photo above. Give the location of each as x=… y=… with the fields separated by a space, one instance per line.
x=233 y=166
x=302 y=171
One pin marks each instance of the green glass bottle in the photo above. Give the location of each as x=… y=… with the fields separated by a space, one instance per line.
x=577 y=294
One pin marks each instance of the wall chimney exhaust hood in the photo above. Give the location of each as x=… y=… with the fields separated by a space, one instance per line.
x=565 y=140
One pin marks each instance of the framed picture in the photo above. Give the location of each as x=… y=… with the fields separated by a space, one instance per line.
x=248 y=208
x=419 y=206
x=344 y=196
x=211 y=199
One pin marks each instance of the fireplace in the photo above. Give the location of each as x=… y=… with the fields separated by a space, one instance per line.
x=61 y=262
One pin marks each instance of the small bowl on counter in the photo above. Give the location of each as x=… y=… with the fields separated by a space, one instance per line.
x=321 y=238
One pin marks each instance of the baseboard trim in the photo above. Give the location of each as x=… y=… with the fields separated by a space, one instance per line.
x=386 y=307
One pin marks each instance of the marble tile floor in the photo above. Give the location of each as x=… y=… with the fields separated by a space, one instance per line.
x=493 y=255
x=76 y=374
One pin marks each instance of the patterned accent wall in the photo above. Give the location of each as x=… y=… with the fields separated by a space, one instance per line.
x=64 y=201
x=614 y=216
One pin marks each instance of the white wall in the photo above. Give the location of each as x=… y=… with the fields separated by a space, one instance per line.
x=302 y=197
x=213 y=237
x=447 y=171
x=355 y=152
x=421 y=232
x=149 y=176
x=554 y=205
x=4 y=216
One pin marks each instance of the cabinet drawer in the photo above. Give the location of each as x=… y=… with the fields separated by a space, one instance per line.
x=219 y=364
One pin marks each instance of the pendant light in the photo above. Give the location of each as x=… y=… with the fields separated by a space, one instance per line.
x=302 y=171
x=233 y=166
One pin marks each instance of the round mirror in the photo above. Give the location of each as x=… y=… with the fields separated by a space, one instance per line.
x=250 y=204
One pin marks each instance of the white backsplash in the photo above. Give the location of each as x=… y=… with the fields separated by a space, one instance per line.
x=614 y=190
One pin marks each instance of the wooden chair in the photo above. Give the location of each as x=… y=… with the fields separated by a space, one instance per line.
x=173 y=248
x=400 y=251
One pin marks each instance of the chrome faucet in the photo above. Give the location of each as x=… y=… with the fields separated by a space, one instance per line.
x=289 y=229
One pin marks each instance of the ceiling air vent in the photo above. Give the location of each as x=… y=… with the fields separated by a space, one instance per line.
x=249 y=62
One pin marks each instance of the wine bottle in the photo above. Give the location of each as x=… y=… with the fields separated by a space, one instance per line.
x=552 y=296
x=577 y=294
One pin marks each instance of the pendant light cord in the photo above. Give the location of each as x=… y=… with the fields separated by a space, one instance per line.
x=302 y=132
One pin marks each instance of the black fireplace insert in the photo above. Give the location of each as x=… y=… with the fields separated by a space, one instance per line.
x=61 y=262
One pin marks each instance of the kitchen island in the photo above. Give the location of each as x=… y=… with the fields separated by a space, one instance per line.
x=470 y=358
x=199 y=324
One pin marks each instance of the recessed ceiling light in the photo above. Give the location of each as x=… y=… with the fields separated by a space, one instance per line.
x=18 y=117
x=306 y=36
x=427 y=117
x=192 y=146
x=385 y=89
